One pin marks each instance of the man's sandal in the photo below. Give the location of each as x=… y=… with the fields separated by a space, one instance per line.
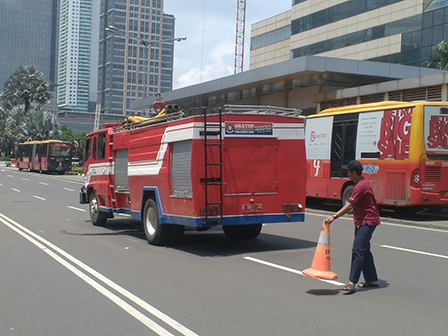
x=349 y=289
x=367 y=284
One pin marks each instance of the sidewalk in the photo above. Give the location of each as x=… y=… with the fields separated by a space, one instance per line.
x=422 y=218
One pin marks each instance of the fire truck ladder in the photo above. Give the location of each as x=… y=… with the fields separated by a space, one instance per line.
x=212 y=182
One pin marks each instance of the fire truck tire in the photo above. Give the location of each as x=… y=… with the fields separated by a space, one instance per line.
x=346 y=195
x=250 y=231
x=155 y=232
x=97 y=217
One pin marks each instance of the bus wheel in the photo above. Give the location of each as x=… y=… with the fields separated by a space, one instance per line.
x=96 y=216
x=20 y=169
x=155 y=232
x=346 y=195
x=250 y=231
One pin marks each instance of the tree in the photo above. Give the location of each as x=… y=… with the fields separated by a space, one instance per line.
x=3 y=143
x=25 y=86
x=12 y=132
x=38 y=125
x=66 y=134
x=441 y=61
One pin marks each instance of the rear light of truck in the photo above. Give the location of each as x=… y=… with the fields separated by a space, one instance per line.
x=415 y=178
x=212 y=210
x=292 y=207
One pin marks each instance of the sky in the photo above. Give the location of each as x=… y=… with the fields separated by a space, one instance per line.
x=210 y=29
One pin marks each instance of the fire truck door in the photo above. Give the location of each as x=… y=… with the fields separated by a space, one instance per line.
x=250 y=165
x=181 y=169
x=121 y=170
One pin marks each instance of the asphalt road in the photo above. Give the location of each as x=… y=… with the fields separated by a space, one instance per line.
x=59 y=275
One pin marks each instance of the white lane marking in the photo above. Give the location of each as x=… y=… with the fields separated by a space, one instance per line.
x=337 y=283
x=415 y=251
x=44 y=183
x=111 y=296
x=68 y=189
x=1 y=184
x=15 y=189
x=150 y=309
x=38 y=197
x=9 y=175
x=25 y=179
x=387 y=224
x=72 y=207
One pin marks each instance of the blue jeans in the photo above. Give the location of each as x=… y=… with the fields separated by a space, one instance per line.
x=362 y=258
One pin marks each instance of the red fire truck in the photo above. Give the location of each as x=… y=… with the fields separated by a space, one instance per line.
x=239 y=168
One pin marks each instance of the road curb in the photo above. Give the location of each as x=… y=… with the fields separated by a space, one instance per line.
x=398 y=221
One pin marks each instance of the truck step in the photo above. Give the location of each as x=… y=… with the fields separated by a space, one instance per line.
x=210 y=133
x=209 y=180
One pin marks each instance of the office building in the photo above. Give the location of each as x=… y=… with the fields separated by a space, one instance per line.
x=28 y=35
x=393 y=31
x=75 y=35
x=133 y=63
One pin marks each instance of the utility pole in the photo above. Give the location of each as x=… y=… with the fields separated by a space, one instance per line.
x=96 y=123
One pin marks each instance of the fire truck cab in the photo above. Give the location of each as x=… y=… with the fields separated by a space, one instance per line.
x=237 y=168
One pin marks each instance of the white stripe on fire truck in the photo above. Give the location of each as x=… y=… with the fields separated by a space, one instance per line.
x=180 y=133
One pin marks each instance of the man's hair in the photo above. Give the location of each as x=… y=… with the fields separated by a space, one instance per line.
x=355 y=166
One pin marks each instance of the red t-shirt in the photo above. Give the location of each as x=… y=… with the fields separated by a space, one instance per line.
x=365 y=209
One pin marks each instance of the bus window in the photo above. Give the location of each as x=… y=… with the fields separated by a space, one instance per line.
x=94 y=149
x=88 y=149
x=101 y=146
x=343 y=146
x=60 y=150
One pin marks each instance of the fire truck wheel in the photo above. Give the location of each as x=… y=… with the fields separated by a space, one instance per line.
x=250 y=231
x=97 y=217
x=155 y=232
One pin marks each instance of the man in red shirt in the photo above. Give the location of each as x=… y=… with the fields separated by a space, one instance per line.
x=366 y=218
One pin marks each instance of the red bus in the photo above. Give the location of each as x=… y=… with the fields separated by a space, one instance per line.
x=403 y=147
x=45 y=156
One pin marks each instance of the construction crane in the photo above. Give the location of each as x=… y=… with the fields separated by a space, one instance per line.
x=239 y=41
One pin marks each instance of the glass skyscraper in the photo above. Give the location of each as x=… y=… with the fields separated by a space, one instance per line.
x=133 y=63
x=28 y=33
x=75 y=30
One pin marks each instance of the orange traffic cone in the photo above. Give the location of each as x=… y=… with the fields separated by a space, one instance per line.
x=320 y=267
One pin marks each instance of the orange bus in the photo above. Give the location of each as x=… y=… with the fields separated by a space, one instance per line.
x=403 y=147
x=45 y=156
